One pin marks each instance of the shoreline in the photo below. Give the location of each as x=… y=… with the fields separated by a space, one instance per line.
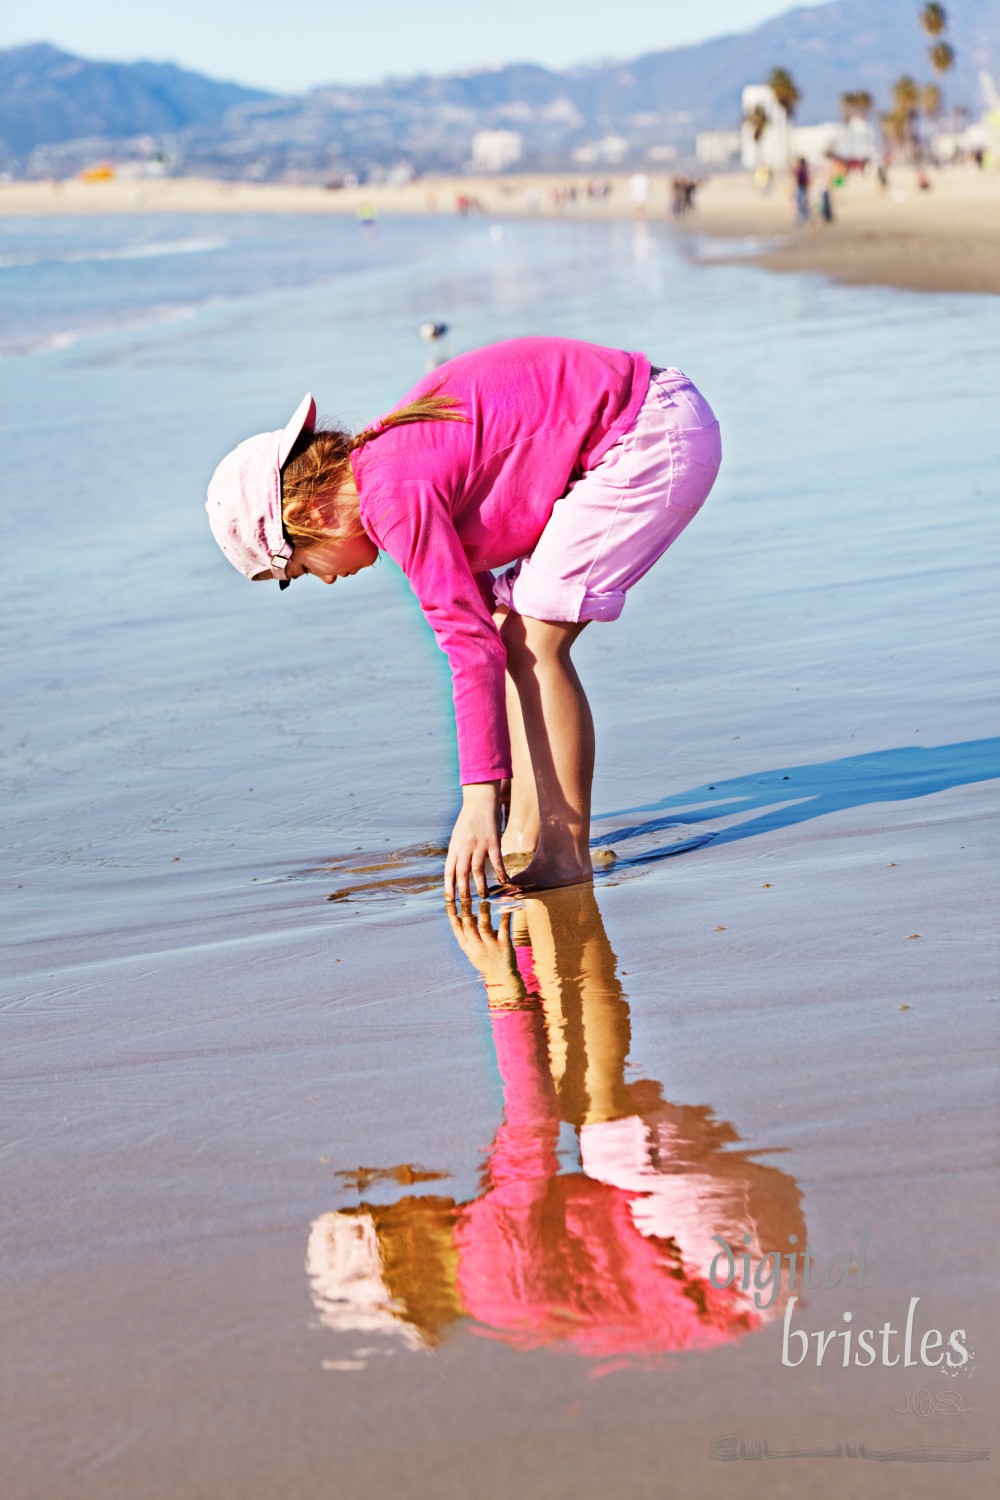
x=288 y=1199
x=944 y=239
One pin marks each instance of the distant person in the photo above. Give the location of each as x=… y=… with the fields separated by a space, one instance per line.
x=682 y=191
x=638 y=186
x=830 y=177
x=802 y=178
x=584 y=464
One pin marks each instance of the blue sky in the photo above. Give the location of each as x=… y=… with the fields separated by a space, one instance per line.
x=301 y=43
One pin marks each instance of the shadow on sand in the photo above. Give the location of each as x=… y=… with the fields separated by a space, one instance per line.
x=796 y=794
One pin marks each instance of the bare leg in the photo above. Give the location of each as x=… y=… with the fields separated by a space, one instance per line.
x=559 y=735
x=520 y=833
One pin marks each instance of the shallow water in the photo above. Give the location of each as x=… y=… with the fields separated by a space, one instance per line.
x=239 y=1018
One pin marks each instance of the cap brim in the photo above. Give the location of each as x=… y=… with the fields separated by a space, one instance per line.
x=304 y=420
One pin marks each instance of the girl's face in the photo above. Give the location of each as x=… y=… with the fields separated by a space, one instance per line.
x=332 y=558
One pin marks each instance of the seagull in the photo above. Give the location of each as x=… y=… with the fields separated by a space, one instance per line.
x=432 y=331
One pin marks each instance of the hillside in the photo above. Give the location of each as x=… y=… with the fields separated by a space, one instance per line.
x=49 y=101
x=48 y=97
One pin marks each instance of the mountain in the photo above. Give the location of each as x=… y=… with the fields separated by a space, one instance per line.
x=658 y=100
x=48 y=96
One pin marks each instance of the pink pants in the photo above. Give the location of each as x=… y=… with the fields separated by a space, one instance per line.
x=618 y=518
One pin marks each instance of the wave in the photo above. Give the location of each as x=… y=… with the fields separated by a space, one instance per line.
x=193 y=245
x=65 y=338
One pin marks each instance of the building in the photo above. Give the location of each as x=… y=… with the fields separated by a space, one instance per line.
x=717 y=148
x=609 y=151
x=774 y=148
x=782 y=142
x=495 y=150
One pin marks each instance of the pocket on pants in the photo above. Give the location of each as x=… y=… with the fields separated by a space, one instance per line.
x=697 y=459
x=698 y=450
x=690 y=409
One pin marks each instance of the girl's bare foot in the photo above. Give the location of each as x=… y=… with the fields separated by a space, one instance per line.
x=549 y=875
x=516 y=860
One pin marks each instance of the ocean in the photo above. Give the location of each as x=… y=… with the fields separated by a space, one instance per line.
x=244 y=1039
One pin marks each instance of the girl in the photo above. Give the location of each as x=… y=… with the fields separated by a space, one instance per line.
x=570 y=467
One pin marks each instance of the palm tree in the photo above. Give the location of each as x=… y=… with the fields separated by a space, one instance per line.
x=905 y=103
x=934 y=19
x=785 y=90
x=857 y=102
x=756 y=119
x=930 y=100
x=942 y=56
x=896 y=127
x=905 y=95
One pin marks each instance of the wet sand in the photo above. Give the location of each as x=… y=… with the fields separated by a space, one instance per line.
x=246 y=1038
x=944 y=239
x=947 y=239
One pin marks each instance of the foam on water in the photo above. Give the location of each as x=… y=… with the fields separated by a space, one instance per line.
x=149 y=250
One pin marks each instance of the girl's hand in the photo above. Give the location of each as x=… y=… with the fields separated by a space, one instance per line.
x=475 y=837
x=492 y=953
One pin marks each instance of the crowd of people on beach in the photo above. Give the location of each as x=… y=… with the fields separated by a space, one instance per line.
x=560 y=196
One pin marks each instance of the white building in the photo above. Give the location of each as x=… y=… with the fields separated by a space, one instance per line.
x=783 y=142
x=774 y=148
x=857 y=140
x=607 y=152
x=717 y=148
x=495 y=150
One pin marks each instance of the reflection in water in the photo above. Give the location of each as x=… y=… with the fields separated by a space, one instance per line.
x=608 y=1254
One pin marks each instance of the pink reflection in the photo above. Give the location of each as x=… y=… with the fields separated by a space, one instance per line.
x=586 y=1259
x=607 y=1253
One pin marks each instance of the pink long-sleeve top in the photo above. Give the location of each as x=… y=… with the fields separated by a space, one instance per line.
x=450 y=501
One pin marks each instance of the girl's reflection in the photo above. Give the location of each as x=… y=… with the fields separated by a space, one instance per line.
x=609 y=1255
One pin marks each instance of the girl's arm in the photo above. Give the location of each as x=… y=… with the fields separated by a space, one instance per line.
x=417 y=531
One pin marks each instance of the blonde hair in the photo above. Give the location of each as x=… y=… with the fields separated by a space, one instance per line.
x=317 y=467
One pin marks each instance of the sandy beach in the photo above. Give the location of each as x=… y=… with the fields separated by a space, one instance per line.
x=944 y=239
x=310 y=1188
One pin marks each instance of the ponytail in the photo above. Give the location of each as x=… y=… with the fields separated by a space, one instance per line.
x=429 y=408
x=316 y=469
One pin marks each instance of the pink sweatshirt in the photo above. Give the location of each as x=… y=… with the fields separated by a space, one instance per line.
x=449 y=501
